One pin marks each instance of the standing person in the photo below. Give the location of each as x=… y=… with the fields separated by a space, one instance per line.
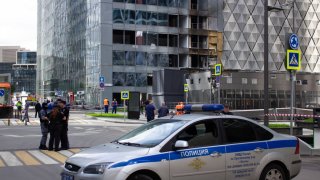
x=226 y=110
x=26 y=113
x=37 y=109
x=114 y=106
x=55 y=127
x=150 y=111
x=106 y=105
x=64 y=132
x=44 y=124
x=19 y=108
x=163 y=111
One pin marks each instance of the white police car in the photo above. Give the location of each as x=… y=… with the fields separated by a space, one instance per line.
x=189 y=147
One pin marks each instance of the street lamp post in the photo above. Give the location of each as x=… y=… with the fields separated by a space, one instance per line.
x=266 y=65
x=267 y=8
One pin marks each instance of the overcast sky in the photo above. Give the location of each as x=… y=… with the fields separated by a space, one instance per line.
x=18 y=23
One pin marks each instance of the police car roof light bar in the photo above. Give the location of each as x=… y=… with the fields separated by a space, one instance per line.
x=203 y=107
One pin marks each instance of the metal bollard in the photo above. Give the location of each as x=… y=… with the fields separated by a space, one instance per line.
x=9 y=122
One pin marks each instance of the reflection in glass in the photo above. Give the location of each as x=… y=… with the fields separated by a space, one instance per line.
x=130 y=79
x=152 y=2
x=118 y=57
x=141 y=1
x=141 y=58
x=141 y=80
x=130 y=58
x=173 y=40
x=118 y=16
x=130 y=1
x=162 y=2
x=130 y=16
x=141 y=18
x=140 y=38
x=163 y=40
x=163 y=19
x=118 y=78
x=152 y=18
x=151 y=38
x=163 y=60
x=152 y=59
x=173 y=3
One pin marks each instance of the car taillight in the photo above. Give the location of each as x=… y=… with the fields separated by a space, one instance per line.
x=297 y=151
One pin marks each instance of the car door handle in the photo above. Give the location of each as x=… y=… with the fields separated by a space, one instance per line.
x=215 y=154
x=258 y=150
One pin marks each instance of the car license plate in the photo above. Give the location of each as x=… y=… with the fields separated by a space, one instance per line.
x=66 y=177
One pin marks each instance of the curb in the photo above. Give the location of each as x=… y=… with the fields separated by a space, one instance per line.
x=119 y=120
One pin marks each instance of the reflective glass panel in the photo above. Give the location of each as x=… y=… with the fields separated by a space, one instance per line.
x=130 y=79
x=152 y=59
x=118 y=16
x=118 y=57
x=130 y=58
x=141 y=58
x=119 y=78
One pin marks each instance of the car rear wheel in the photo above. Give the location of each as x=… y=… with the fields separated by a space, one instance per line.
x=273 y=172
x=140 y=177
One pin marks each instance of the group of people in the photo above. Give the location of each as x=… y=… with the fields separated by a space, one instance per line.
x=151 y=111
x=114 y=105
x=54 y=118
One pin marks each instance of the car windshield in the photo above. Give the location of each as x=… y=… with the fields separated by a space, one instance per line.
x=151 y=134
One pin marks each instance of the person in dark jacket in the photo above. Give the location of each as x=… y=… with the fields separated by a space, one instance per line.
x=55 y=126
x=37 y=109
x=44 y=123
x=150 y=112
x=163 y=111
x=64 y=132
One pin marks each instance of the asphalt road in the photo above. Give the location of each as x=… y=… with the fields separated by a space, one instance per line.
x=17 y=141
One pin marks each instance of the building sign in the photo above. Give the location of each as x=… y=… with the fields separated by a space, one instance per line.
x=293 y=60
x=124 y=95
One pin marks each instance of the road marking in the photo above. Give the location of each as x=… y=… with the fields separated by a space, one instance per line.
x=19 y=122
x=75 y=150
x=42 y=157
x=55 y=155
x=10 y=159
x=66 y=153
x=27 y=158
x=1 y=163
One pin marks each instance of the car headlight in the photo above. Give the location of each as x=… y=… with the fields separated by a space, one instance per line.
x=96 y=168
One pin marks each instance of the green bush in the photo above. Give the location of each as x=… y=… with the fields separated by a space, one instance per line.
x=105 y=115
x=279 y=126
x=309 y=120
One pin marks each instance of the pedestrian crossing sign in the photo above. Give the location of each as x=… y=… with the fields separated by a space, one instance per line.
x=124 y=95
x=218 y=69
x=293 y=60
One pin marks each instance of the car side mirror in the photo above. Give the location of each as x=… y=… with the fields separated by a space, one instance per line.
x=180 y=144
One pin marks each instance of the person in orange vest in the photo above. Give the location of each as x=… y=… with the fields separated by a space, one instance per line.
x=179 y=108
x=106 y=105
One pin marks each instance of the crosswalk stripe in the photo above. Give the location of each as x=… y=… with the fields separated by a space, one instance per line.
x=1 y=163
x=57 y=156
x=10 y=159
x=12 y=122
x=26 y=158
x=75 y=150
x=66 y=153
x=19 y=122
x=2 y=123
x=42 y=157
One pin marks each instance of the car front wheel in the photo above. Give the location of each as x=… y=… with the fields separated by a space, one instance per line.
x=273 y=172
x=140 y=177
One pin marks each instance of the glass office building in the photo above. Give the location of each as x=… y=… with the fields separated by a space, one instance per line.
x=24 y=72
x=124 y=41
